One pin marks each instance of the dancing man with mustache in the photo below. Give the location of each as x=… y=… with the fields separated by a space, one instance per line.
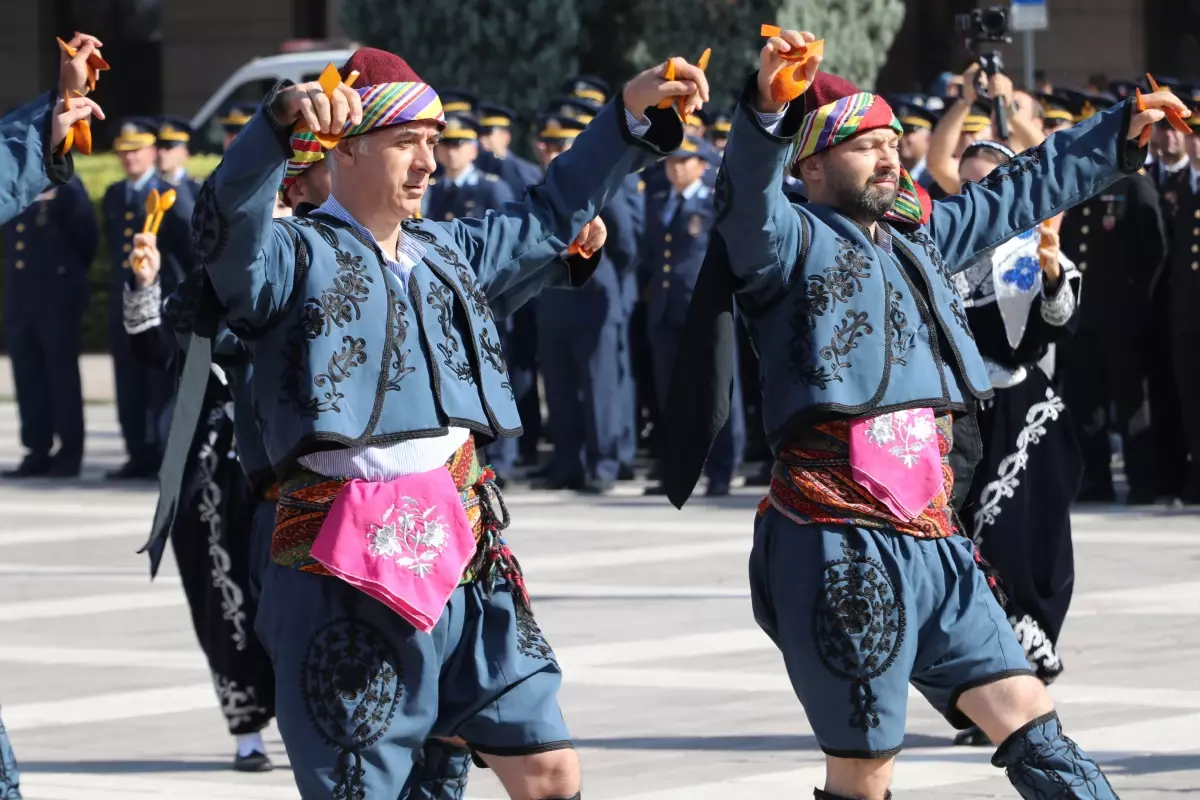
x=393 y=609
x=858 y=572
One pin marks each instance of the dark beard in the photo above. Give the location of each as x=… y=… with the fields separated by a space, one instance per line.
x=867 y=204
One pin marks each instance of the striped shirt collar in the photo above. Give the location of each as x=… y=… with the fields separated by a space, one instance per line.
x=409 y=251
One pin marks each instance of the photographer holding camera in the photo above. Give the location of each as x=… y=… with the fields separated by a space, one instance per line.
x=952 y=136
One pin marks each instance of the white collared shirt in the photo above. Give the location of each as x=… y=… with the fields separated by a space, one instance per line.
x=409 y=251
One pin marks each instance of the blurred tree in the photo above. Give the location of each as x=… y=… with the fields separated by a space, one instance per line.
x=512 y=53
x=666 y=28
x=858 y=33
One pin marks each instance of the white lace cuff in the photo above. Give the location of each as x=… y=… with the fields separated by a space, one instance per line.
x=143 y=308
x=1058 y=307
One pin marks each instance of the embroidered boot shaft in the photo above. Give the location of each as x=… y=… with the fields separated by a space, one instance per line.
x=1044 y=764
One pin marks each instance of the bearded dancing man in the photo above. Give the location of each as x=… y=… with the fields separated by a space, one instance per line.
x=867 y=361
x=393 y=609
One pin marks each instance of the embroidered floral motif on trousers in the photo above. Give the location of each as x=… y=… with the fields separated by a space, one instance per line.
x=232 y=597
x=1014 y=463
x=239 y=706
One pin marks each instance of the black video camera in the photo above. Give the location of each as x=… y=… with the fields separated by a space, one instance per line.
x=987 y=25
x=983 y=25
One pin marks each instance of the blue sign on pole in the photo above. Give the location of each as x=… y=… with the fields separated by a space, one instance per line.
x=1028 y=15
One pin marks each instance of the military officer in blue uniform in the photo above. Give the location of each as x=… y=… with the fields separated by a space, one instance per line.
x=718 y=132
x=49 y=247
x=461 y=188
x=234 y=120
x=583 y=350
x=143 y=392
x=173 y=137
x=495 y=140
x=587 y=87
x=678 y=221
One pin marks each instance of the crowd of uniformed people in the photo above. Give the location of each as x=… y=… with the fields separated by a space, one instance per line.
x=590 y=367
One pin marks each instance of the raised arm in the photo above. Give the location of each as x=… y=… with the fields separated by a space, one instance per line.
x=751 y=206
x=520 y=244
x=752 y=209
x=28 y=163
x=1069 y=167
x=250 y=260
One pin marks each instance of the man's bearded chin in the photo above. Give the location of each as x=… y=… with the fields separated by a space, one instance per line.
x=867 y=204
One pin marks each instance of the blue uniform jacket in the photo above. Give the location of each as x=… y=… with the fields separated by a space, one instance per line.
x=672 y=254
x=26 y=168
x=48 y=249
x=347 y=355
x=832 y=316
x=603 y=299
x=517 y=173
x=481 y=191
x=123 y=218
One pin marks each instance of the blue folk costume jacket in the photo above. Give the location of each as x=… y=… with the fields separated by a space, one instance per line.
x=28 y=166
x=346 y=355
x=832 y=317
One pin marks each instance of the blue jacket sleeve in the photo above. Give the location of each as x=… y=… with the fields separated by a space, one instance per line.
x=518 y=247
x=753 y=214
x=23 y=157
x=1066 y=169
x=250 y=259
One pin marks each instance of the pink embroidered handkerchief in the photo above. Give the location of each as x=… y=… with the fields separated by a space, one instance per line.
x=896 y=458
x=404 y=542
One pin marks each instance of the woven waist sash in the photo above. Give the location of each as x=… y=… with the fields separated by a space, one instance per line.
x=305 y=499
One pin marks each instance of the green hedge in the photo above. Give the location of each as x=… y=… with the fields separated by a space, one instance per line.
x=98 y=172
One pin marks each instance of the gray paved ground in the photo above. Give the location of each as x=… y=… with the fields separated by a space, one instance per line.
x=671 y=690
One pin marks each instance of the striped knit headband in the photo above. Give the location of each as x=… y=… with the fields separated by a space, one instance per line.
x=834 y=123
x=383 y=105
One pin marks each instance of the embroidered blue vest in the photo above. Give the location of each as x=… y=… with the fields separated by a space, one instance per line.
x=347 y=353
x=835 y=320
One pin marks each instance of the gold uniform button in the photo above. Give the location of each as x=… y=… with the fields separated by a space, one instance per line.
x=128 y=248
x=666 y=253
x=1084 y=229
x=666 y=267
x=62 y=270
x=1087 y=212
x=1197 y=214
x=1082 y=266
x=1195 y=231
x=666 y=284
x=128 y=232
x=128 y=215
x=20 y=227
x=1195 y=265
x=1195 y=248
x=667 y=237
x=20 y=245
x=1083 y=248
x=20 y=264
x=449 y=215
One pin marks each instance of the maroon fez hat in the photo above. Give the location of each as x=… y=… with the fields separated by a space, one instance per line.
x=378 y=66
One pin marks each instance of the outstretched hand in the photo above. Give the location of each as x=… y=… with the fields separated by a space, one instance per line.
x=779 y=53
x=1156 y=105
x=651 y=87
x=590 y=239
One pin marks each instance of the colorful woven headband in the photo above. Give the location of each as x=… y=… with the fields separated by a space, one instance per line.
x=835 y=122
x=395 y=104
x=306 y=151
